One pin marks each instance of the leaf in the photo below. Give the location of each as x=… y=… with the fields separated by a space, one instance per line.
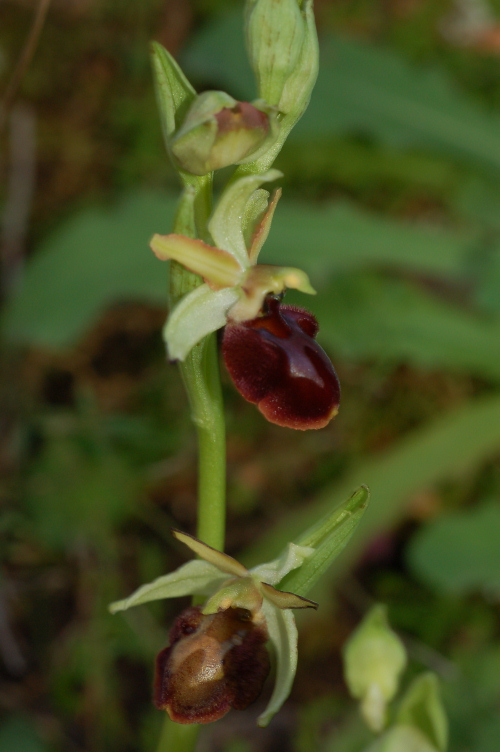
x=193 y=578
x=283 y=634
x=97 y=258
x=17 y=733
x=431 y=454
x=460 y=553
x=372 y=316
x=402 y=739
x=174 y=93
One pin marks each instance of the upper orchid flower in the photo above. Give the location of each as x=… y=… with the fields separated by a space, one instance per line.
x=270 y=350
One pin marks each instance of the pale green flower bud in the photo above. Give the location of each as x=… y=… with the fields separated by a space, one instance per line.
x=219 y=131
x=283 y=50
x=374 y=658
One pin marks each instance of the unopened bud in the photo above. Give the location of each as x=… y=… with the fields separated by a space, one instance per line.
x=219 y=131
x=374 y=658
x=283 y=50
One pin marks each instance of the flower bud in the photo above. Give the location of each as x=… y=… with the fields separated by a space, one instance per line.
x=374 y=658
x=283 y=51
x=219 y=131
x=214 y=663
x=276 y=363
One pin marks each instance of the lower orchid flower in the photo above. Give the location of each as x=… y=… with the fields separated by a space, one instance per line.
x=217 y=659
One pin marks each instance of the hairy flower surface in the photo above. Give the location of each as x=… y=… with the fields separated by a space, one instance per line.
x=214 y=662
x=216 y=658
x=276 y=363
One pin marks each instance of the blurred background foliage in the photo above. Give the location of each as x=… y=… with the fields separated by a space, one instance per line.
x=392 y=204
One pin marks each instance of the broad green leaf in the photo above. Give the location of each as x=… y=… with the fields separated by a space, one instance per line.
x=460 y=552
x=97 y=258
x=328 y=538
x=422 y=708
x=17 y=733
x=376 y=317
x=193 y=578
x=283 y=634
x=439 y=451
x=197 y=314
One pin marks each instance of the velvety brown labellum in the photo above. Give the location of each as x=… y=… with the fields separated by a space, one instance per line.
x=276 y=363
x=214 y=663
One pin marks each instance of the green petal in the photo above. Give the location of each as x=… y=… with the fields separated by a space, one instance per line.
x=215 y=266
x=197 y=314
x=283 y=635
x=225 y=226
x=261 y=231
x=193 y=578
x=283 y=599
x=291 y=558
x=223 y=562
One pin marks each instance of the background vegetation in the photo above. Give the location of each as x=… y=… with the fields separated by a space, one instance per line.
x=392 y=198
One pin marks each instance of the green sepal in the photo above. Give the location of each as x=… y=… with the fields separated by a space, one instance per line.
x=197 y=314
x=283 y=635
x=422 y=708
x=193 y=578
x=328 y=537
x=225 y=225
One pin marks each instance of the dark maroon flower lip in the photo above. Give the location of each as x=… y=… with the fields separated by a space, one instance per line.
x=276 y=363
x=214 y=663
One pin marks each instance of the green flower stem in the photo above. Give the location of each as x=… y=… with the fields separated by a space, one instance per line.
x=178 y=737
x=200 y=373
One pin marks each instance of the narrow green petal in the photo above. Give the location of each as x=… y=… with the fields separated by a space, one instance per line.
x=261 y=231
x=217 y=267
x=197 y=314
x=283 y=635
x=283 y=599
x=225 y=226
x=193 y=578
x=291 y=558
x=223 y=562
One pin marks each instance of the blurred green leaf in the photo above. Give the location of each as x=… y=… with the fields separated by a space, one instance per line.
x=460 y=552
x=72 y=492
x=97 y=258
x=372 y=316
x=450 y=446
x=18 y=733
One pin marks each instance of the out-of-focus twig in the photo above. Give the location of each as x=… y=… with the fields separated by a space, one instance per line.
x=24 y=61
